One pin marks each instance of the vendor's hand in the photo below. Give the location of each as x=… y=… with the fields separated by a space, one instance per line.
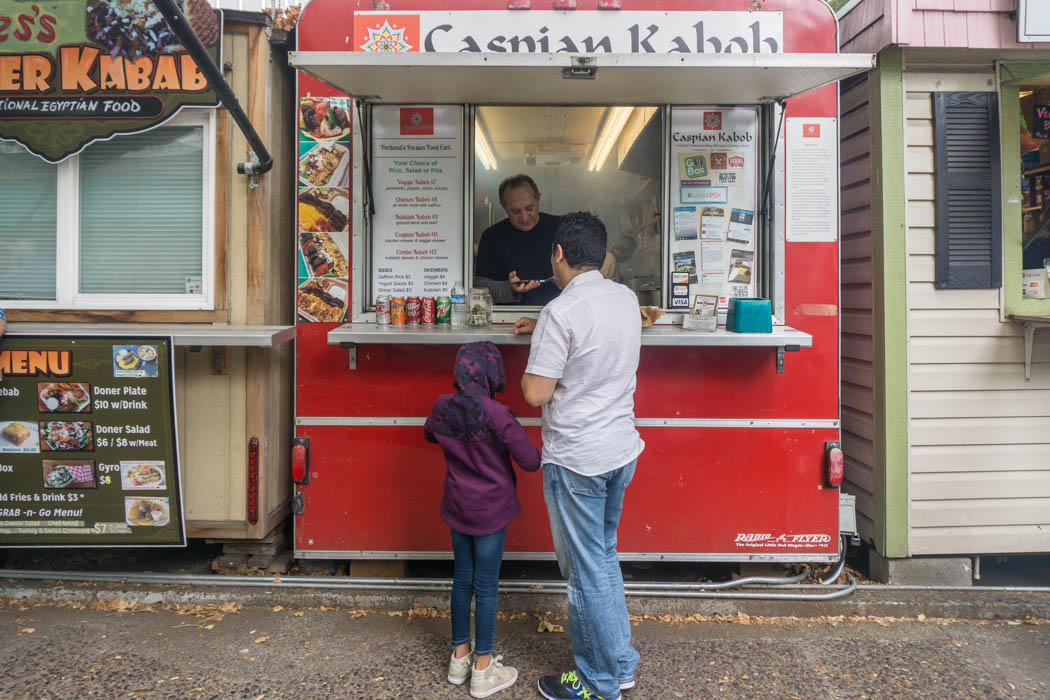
x=524 y=326
x=520 y=287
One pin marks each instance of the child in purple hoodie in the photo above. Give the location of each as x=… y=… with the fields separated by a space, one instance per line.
x=478 y=436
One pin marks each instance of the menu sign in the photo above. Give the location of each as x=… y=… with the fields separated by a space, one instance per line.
x=88 y=453
x=77 y=71
x=812 y=179
x=417 y=182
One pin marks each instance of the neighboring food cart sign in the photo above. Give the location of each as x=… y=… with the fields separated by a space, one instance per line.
x=77 y=71
x=1033 y=20
x=544 y=31
x=88 y=453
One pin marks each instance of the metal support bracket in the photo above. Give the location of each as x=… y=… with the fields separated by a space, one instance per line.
x=780 y=355
x=1029 y=336
x=253 y=173
x=352 y=347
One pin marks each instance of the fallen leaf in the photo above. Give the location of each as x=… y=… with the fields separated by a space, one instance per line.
x=548 y=626
x=297 y=614
x=276 y=608
x=209 y=627
x=28 y=630
x=260 y=640
x=396 y=613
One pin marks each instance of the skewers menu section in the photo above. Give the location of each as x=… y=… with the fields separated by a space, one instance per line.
x=417 y=170
x=88 y=454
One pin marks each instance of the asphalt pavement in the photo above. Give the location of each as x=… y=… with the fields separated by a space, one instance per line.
x=103 y=644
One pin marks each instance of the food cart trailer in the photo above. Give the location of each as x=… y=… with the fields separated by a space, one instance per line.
x=707 y=142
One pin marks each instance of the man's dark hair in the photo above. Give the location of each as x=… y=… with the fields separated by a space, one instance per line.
x=582 y=238
x=514 y=182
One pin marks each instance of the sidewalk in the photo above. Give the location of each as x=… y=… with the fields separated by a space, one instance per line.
x=113 y=648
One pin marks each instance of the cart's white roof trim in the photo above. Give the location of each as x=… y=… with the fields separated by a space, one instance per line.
x=531 y=78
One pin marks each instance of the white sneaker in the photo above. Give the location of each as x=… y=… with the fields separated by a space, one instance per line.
x=492 y=679
x=459 y=669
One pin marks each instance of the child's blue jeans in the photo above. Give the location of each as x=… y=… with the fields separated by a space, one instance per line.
x=478 y=558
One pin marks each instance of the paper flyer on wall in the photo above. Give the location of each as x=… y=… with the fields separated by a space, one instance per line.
x=713 y=191
x=703 y=315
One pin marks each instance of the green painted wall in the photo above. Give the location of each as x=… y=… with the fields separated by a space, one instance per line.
x=890 y=310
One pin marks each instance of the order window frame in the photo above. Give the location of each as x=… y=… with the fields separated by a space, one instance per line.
x=67 y=235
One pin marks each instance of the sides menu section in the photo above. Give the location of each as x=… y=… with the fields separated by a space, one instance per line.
x=88 y=453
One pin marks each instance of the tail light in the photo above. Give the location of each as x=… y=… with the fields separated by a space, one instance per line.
x=301 y=460
x=253 y=481
x=834 y=464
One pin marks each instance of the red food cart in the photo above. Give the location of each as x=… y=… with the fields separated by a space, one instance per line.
x=706 y=139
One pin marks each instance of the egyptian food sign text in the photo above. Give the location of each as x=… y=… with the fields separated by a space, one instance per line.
x=77 y=71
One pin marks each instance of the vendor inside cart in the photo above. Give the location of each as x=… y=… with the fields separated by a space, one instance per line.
x=514 y=258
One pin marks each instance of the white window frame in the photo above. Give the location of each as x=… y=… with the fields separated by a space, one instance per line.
x=67 y=259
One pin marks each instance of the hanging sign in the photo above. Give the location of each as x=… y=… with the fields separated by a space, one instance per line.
x=546 y=31
x=88 y=453
x=417 y=182
x=77 y=71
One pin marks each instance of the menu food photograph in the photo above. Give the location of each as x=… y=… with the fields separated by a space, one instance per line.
x=69 y=474
x=142 y=476
x=141 y=511
x=323 y=119
x=64 y=397
x=326 y=164
x=134 y=361
x=323 y=254
x=66 y=436
x=19 y=436
x=322 y=299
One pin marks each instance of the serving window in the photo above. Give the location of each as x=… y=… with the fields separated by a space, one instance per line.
x=679 y=188
x=124 y=224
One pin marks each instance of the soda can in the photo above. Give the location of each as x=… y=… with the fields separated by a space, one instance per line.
x=412 y=308
x=397 y=311
x=383 y=310
x=443 y=316
x=427 y=311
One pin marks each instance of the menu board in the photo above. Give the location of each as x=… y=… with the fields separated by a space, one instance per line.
x=714 y=189
x=417 y=183
x=812 y=179
x=88 y=453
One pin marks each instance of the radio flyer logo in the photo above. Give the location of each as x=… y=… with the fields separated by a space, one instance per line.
x=811 y=131
x=712 y=121
x=388 y=34
x=417 y=121
x=767 y=540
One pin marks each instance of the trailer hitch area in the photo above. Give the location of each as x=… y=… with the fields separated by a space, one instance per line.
x=352 y=347
x=780 y=355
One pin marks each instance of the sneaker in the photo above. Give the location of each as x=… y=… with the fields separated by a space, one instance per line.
x=626 y=683
x=459 y=669
x=568 y=686
x=492 y=679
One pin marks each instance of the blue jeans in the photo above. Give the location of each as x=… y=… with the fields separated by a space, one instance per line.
x=478 y=558
x=584 y=513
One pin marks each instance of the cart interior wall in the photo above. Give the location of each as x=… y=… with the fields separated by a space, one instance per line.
x=945 y=440
x=218 y=412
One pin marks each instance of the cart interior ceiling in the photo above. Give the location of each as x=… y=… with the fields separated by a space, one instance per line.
x=629 y=79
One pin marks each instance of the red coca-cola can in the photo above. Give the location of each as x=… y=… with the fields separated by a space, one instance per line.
x=412 y=309
x=428 y=313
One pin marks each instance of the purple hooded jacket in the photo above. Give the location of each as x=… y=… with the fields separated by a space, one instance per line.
x=479 y=436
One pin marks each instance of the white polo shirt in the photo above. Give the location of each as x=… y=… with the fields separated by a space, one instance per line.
x=588 y=338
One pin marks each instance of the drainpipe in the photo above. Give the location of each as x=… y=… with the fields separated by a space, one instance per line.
x=261 y=160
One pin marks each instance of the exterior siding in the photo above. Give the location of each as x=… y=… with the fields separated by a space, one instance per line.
x=858 y=405
x=979 y=479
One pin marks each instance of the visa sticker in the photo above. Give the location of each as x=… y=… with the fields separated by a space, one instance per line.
x=680 y=302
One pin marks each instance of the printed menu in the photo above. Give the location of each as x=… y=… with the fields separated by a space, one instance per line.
x=88 y=453
x=417 y=183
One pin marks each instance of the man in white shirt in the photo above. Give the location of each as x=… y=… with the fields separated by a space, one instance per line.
x=581 y=370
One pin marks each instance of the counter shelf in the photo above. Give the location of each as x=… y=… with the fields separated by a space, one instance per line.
x=782 y=339
x=195 y=336
x=1032 y=323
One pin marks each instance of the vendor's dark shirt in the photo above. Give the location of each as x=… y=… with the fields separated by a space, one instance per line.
x=504 y=248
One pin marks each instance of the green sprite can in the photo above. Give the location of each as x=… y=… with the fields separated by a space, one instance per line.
x=444 y=311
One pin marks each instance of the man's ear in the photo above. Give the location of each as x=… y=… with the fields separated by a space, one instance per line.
x=558 y=255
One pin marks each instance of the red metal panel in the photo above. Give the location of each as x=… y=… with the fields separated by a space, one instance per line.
x=712 y=490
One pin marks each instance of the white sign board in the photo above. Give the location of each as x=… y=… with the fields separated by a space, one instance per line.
x=546 y=31
x=1033 y=20
x=812 y=179
x=713 y=193
x=417 y=183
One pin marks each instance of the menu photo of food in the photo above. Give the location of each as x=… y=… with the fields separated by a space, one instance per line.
x=135 y=361
x=69 y=474
x=324 y=209
x=66 y=436
x=323 y=254
x=326 y=164
x=64 y=397
x=19 y=436
x=322 y=299
x=142 y=476
x=685 y=261
x=146 y=511
x=324 y=118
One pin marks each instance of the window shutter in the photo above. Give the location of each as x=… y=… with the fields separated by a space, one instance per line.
x=969 y=200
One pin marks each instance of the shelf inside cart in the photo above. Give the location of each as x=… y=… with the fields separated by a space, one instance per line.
x=183 y=334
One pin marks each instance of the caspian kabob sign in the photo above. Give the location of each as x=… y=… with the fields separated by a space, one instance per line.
x=77 y=71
